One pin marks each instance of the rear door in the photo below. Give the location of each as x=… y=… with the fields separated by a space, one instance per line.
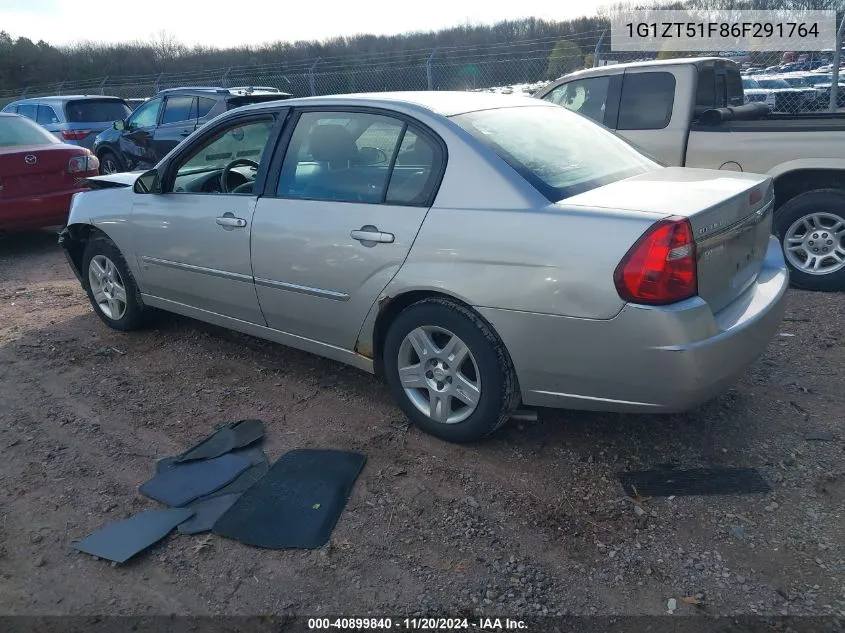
x=342 y=206
x=178 y=121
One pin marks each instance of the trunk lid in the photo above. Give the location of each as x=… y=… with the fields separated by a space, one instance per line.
x=28 y=170
x=730 y=214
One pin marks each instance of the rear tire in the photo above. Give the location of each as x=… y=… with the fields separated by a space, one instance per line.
x=811 y=230
x=448 y=371
x=110 y=286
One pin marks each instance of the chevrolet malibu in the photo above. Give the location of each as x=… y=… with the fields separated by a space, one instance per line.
x=478 y=251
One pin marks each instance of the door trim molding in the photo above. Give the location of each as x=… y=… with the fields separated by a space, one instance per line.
x=306 y=290
x=146 y=260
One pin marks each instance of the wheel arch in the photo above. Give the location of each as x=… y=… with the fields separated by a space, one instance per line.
x=74 y=239
x=387 y=308
x=790 y=184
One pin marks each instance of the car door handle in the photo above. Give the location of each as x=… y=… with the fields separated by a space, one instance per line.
x=231 y=221
x=372 y=234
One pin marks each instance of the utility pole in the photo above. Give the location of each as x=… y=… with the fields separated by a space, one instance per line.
x=597 y=52
x=837 y=53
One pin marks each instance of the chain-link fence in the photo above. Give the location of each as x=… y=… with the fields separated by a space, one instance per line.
x=785 y=81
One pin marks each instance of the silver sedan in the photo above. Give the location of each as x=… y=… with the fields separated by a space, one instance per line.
x=478 y=251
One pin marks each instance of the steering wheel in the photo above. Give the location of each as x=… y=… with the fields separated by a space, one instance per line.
x=224 y=175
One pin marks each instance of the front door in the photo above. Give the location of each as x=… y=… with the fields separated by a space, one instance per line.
x=136 y=139
x=335 y=227
x=193 y=240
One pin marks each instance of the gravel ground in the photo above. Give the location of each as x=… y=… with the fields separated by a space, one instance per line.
x=530 y=522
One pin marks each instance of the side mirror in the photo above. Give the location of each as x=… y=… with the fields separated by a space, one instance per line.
x=119 y=125
x=148 y=182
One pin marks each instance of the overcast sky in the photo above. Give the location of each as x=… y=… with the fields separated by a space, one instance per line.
x=223 y=24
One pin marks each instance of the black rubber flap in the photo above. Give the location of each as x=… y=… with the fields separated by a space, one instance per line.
x=255 y=455
x=208 y=510
x=181 y=484
x=225 y=439
x=121 y=540
x=697 y=481
x=297 y=503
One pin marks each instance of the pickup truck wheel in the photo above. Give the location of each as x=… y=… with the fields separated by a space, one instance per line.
x=811 y=229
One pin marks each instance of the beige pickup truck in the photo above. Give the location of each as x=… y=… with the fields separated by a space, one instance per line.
x=690 y=112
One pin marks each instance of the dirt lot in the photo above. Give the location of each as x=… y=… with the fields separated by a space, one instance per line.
x=530 y=522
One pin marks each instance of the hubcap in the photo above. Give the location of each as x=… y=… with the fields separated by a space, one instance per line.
x=815 y=244
x=439 y=374
x=107 y=287
x=109 y=166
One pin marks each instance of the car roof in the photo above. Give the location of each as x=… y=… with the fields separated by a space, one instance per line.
x=63 y=98
x=239 y=91
x=446 y=103
x=659 y=63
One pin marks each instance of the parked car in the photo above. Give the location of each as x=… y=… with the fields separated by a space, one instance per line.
x=75 y=119
x=817 y=100
x=780 y=95
x=38 y=174
x=824 y=82
x=142 y=139
x=676 y=110
x=476 y=249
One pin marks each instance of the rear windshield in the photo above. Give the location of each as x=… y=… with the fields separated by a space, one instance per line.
x=96 y=111
x=559 y=152
x=18 y=130
x=773 y=83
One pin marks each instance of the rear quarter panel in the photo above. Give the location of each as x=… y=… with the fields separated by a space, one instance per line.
x=555 y=260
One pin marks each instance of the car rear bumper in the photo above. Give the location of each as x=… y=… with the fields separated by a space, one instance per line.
x=29 y=212
x=647 y=358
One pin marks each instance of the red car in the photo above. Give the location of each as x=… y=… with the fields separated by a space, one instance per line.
x=38 y=174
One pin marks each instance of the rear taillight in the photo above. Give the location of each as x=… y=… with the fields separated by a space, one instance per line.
x=75 y=135
x=660 y=268
x=88 y=162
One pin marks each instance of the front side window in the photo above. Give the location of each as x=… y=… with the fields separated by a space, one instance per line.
x=237 y=151
x=646 y=102
x=585 y=96
x=340 y=156
x=146 y=115
x=559 y=153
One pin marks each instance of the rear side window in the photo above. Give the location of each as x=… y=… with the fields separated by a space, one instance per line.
x=585 y=96
x=720 y=88
x=414 y=174
x=647 y=100
x=46 y=115
x=29 y=110
x=204 y=106
x=96 y=111
x=178 y=109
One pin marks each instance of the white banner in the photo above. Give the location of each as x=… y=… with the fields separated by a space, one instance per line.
x=711 y=30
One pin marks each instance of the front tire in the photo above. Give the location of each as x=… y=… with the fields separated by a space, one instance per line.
x=811 y=230
x=110 y=286
x=448 y=371
x=109 y=163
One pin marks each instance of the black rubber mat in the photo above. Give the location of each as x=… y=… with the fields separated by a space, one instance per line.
x=298 y=502
x=181 y=484
x=254 y=454
x=225 y=439
x=121 y=540
x=208 y=510
x=698 y=481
